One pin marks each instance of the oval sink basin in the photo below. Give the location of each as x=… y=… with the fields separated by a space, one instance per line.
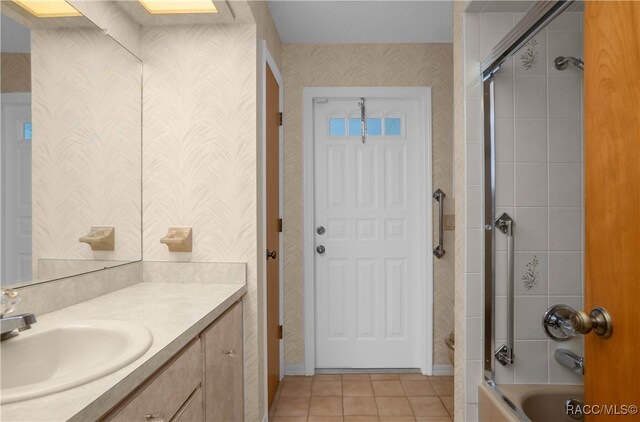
x=53 y=358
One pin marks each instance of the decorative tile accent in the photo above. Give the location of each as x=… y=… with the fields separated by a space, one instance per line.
x=529 y=55
x=530 y=277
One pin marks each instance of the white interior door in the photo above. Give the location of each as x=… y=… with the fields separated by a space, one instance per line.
x=369 y=198
x=16 y=190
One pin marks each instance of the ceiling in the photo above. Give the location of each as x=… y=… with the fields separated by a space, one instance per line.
x=363 y=21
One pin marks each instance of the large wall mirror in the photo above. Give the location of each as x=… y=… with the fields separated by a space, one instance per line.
x=71 y=145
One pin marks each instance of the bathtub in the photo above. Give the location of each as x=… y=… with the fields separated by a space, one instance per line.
x=527 y=402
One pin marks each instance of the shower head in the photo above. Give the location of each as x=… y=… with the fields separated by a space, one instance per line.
x=561 y=62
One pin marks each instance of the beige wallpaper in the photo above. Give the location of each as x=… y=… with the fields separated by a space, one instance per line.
x=86 y=144
x=200 y=156
x=16 y=72
x=364 y=65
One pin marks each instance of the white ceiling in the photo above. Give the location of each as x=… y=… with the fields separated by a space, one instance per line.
x=364 y=21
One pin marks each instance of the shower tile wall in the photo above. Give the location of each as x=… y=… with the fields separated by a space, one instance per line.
x=538 y=182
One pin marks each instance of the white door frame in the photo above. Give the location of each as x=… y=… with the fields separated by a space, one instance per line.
x=425 y=304
x=267 y=59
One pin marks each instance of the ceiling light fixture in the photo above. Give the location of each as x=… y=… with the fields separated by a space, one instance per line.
x=165 y=7
x=48 y=8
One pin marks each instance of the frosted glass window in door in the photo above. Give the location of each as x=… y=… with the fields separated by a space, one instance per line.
x=337 y=127
x=392 y=126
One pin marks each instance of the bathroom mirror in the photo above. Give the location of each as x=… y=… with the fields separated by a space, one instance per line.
x=71 y=145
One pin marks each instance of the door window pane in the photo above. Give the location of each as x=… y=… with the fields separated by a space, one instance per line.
x=26 y=131
x=337 y=127
x=392 y=126
x=374 y=126
x=355 y=128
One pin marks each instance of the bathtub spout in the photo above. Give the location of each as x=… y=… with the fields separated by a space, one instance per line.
x=570 y=360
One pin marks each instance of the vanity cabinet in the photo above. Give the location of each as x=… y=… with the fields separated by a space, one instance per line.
x=223 y=367
x=202 y=382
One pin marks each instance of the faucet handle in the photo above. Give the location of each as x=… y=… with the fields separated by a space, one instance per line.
x=9 y=301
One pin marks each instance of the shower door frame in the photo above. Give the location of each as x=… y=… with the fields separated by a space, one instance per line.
x=537 y=17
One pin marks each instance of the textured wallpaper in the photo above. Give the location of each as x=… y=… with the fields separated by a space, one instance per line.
x=86 y=144
x=364 y=65
x=16 y=72
x=200 y=155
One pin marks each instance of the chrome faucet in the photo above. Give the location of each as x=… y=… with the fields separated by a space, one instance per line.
x=12 y=325
x=570 y=360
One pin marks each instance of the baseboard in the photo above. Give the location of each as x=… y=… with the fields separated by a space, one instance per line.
x=294 y=368
x=442 y=370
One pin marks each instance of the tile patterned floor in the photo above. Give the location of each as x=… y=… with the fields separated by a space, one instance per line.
x=364 y=398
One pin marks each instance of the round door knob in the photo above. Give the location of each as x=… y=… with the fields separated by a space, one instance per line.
x=272 y=254
x=320 y=249
x=321 y=230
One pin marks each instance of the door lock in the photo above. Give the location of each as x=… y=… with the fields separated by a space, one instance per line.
x=320 y=249
x=320 y=230
x=271 y=254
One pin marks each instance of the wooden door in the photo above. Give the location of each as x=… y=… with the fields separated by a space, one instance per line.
x=272 y=154
x=612 y=199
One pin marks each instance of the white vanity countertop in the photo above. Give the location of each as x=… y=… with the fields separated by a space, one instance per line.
x=174 y=313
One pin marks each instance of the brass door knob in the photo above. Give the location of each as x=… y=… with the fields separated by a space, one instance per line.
x=271 y=254
x=562 y=322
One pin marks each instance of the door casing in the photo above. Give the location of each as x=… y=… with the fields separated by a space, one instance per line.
x=425 y=303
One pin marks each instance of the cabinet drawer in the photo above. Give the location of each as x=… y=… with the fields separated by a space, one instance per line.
x=164 y=395
x=193 y=411
x=224 y=368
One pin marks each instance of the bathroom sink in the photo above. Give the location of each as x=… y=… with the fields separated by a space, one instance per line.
x=52 y=358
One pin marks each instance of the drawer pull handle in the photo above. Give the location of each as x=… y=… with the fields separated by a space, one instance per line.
x=230 y=352
x=155 y=417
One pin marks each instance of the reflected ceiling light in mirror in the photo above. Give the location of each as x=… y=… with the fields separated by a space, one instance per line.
x=48 y=8
x=164 y=7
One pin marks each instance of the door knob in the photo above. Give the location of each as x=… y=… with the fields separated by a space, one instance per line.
x=272 y=254
x=320 y=249
x=562 y=322
x=320 y=230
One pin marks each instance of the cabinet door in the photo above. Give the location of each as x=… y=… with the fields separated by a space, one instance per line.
x=224 y=368
x=193 y=409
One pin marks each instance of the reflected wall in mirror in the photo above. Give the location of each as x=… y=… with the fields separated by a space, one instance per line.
x=71 y=146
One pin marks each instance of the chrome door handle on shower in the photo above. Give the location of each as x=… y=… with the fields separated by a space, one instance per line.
x=439 y=251
x=505 y=353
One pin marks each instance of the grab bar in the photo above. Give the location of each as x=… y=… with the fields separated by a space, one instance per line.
x=505 y=354
x=439 y=251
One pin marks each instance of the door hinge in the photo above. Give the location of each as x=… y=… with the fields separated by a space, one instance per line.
x=280 y=225
x=280 y=332
x=280 y=119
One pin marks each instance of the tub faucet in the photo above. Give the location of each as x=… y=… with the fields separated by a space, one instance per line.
x=10 y=326
x=570 y=360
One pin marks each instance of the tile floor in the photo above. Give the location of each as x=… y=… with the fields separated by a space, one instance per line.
x=363 y=398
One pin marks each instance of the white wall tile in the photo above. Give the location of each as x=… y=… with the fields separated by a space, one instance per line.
x=504 y=194
x=565 y=273
x=529 y=311
x=504 y=141
x=474 y=372
x=496 y=22
x=565 y=96
x=576 y=302
x=473 y=113
x=473 y=334
x=501 y=273
x=565 y=141
x=473 y=304
x=503 y=94
x=504 y=374
x=471 y=33
x=531 y=361
x=531 y=229
x=565 y=229
x=473 y=205
x=567 y=21
x=500 y=304
x=531 y=185
x=488 y=40
x=474 y=163
x=531 y=97
x=471 y=412
x=533 y=266
x=473 y=251
x=565 y=185
x=531 y=141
